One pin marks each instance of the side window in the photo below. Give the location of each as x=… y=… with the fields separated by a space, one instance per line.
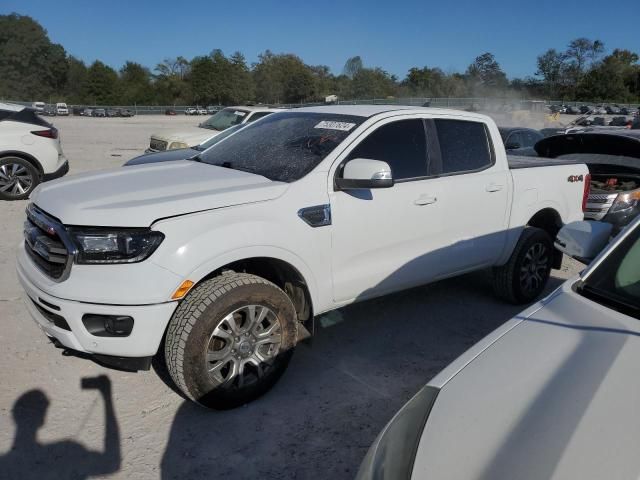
x=531 y=138
x=515 y=138
x=258 y=115
x=464 y=146
x=402 y=144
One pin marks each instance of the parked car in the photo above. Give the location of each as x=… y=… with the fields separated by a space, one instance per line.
x=572 y=110
x=124 y=112
x=38 y=106
x=297 y=214
x=190 y=111
x=222 y=120
x=49 y=111
x=30 y=152
x=613 y=159
x=99 y=112
x=181 y=153
x=549 y=394
x=201 y=110
x=110 y=112
x=79 y=111
x=170 y=111
x=62 y=109
x=211 y=109
x=520 y=141
x=88 y=112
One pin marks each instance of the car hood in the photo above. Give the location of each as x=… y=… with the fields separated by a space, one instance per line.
x=555 y=397
x=137 y=196
x=191 y=138
x=164 y=156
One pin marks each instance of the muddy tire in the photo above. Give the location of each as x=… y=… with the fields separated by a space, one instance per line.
x=230 y=340
x=523 y=278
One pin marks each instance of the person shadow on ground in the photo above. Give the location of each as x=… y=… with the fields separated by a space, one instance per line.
x=64 y=459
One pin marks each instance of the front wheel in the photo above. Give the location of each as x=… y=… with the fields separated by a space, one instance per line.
x=18 y=178
x=523 y=278
x=230 y=340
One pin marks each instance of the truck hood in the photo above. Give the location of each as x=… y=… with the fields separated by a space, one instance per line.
x=555 y=397
x=191 y=138
x=137 y=196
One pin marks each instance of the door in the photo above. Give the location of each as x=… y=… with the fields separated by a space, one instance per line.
x=387 y=239
x=473 y=193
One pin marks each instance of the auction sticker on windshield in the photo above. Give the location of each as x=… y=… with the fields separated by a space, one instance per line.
x=239 y=113
x=328 y=125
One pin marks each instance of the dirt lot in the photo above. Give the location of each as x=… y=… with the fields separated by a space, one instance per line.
x=364 y=363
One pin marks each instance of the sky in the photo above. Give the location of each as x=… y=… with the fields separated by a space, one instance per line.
x=394 y=35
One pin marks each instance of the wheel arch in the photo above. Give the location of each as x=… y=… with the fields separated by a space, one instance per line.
x=25 y=156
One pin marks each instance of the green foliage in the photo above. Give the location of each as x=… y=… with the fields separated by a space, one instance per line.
x=33 y=68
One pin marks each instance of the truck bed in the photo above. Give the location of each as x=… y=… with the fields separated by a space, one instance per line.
x=516 y=162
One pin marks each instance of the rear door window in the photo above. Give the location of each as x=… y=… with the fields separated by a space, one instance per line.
x=402 y=144
x=465 y=146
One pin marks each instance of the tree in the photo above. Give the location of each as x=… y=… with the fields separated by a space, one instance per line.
x=76 y=77
x=372 y=83
x=31 y=66
x=551 y=67
x=135 y=84
x=352 y=66
x=485 y=75
x=283 y=78
x=101 y=84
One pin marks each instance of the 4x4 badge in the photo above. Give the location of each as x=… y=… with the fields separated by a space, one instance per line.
x=576 y=178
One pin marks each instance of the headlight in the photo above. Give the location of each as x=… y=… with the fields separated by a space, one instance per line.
x=176 y=145
x=98 y=245
x=625 y=200
x=392 y=455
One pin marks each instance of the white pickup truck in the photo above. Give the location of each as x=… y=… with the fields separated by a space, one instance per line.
x=219 y=263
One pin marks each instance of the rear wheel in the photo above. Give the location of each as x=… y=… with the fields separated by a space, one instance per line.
x=230 y=340
x=523 y=278
x=18 y=178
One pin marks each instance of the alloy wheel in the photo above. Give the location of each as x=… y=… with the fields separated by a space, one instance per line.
x=15 y=179
x=535 y=266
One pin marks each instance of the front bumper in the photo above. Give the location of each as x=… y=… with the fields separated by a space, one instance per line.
x=150 y=322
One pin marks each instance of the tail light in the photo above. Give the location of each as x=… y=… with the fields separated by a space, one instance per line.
x=48 y=133
x=587 y=190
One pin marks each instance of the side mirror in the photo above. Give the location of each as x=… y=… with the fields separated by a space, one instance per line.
x=512 y=146
x=584 y=240
x=365 y=173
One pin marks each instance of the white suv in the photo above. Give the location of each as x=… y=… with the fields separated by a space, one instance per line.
x=30 y=152
x=62 y=109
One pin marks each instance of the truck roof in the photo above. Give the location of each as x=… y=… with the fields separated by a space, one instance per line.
x=371 y=110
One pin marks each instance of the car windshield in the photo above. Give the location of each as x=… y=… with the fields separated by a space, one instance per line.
x=283 y=146
x=616 y=281
x=225 y=118
x=221 y=136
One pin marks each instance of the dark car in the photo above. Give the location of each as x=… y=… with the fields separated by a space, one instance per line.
x=99 y=112
x=124 y=112
x=182 y=153
x=613 y=158
x=110 y=112
x=49 y=110
x=170 y=111
x=520 y=141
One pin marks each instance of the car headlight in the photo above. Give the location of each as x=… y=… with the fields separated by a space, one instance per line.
x=392 y=455
x=625 y=200
x=98 y=245
x=176 y=145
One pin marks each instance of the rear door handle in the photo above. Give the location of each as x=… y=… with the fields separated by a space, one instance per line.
x=425 y=200
x=494 y=187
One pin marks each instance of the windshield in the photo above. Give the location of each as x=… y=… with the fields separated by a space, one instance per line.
x=221 y=136
x=283 y=146
x=225 y=119
x=616 y=281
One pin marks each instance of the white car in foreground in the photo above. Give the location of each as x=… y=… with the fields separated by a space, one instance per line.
x=30 y=152
x=220 y=262
x=217 y=123
x=551 y=394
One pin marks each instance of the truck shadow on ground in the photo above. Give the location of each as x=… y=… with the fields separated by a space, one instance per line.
x=364 y=363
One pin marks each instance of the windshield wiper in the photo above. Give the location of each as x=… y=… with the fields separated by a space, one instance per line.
x=609 y=299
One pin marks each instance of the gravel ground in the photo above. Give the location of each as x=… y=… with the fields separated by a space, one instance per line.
x=365 y=361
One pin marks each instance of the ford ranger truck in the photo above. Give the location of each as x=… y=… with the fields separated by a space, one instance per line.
x=217 y=265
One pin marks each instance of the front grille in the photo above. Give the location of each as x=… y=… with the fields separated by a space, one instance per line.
x=157 y=145
x=44 y=244
x=598 y=205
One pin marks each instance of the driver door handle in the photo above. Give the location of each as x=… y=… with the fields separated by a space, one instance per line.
x=425 y=200
x=494 y=187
